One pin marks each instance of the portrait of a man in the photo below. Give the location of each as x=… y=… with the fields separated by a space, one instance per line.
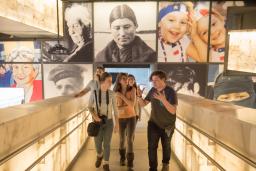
x=125 y=45
x=65 y=79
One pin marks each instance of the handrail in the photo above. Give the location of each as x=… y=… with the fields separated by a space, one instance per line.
x=231 y=150
x=201 y=151
x=23 y=147
x=55 y=145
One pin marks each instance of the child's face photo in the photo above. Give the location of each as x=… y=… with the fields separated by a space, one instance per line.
x=217 y=30
x=173 y=26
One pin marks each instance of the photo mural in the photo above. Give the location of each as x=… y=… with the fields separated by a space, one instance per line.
x=176 y=37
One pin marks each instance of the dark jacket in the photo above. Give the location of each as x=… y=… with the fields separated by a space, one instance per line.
x=85 y=54
x=140 y=52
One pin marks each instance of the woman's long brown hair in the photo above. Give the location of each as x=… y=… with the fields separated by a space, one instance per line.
x=118 y=86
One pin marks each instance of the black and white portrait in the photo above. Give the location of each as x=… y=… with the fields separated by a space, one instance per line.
x=186 y=79
x=125 y=33
x=65 y=79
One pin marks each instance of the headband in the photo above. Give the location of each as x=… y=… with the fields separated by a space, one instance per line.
x=172 y=8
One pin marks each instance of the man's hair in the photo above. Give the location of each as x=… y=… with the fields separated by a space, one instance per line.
x=122 y=11
x=158 y=73
x=104 y=76
x=100 y=67
x=2 y=66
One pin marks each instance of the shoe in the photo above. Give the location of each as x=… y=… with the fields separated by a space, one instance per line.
x=122 y=156
x=130 y=158
x=98 y=161
x=106 y=167
x=165 y=167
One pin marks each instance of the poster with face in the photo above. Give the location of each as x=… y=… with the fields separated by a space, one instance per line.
x=218 y=30
x=125 y=33
x=66 y=79
x=26 y=76
x=20 y=51
x=241 y=51
x=187 y=79
x=78 y=32
x=178 y=38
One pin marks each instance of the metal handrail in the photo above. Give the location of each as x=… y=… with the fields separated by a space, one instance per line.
x=201 y=151
x=25 y=146
x=231 y=150
x=55 y=145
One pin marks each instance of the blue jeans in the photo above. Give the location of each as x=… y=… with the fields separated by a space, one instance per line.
x=104 y=137
x=127 y=128
x=154 y=135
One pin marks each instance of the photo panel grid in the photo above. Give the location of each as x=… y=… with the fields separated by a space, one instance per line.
x=179 y=36
x=189 y=79
x=123 y=33
x=66 y=79
x=26 y=76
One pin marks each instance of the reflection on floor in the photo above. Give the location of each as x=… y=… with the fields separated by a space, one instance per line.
x=87 y=157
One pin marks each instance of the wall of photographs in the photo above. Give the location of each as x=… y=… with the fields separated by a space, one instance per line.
x=176 y=37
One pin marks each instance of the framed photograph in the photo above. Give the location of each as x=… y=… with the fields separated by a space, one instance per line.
x=218 y=29
x=27 y=76
x=20 y=51
x=178 y=39
x=187 y=79
x=66 y=79
x=241 y=53
x=78 y=32
x=122 y=34
x=48 y=46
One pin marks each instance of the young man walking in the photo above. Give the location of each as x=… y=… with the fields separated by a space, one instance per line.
x=162 y=119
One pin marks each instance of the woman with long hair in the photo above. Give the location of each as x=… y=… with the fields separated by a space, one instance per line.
x=126 y=100
x=132 y=83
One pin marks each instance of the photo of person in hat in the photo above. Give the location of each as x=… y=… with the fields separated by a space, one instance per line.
x=65 y=79
x=125 y=45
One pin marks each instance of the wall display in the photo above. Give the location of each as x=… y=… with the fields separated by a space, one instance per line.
x=66 y=79
x=20 y=51
x=125 y=33
x=178 y=37
x=241 y=55
x=218 y=29
x=187 y=79
x=78 y=32
x=26 y=76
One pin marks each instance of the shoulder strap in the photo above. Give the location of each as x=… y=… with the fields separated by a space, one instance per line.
x=96 y=101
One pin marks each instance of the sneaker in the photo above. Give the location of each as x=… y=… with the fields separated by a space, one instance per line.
x=106 y=167
x=165 y=167
x=98 y=161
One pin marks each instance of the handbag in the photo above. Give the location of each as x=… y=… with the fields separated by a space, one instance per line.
x=94 y=127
